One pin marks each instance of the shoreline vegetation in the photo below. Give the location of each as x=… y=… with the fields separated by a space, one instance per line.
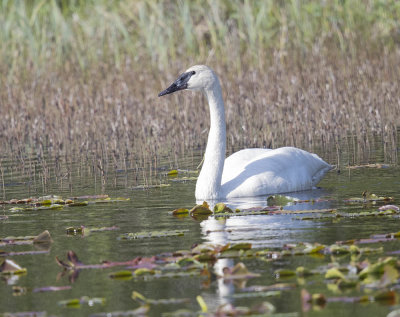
x=80 y=79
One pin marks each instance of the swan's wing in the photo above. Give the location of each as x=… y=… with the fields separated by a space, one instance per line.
x=235 y=163
x=253 y=172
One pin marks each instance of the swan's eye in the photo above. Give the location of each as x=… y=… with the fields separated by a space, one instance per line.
x=193 y=72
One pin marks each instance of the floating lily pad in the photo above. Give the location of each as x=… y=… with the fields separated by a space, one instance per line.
x=140 y=311
x=172 y=173
x=169 y=301
x=82 y=230
x=152 y=234
x=202 y=209
x=221 y=207
x=239 y=271
x=334 y=273
x=180 y=211
x=9 y=267
x=77 y=302
x=121 y=275
x=42 y=238
x=147 y=187
x=51 y=289
x=279 y=200
x=256 y=294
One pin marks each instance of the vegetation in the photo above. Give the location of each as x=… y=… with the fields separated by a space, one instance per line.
x=80 y=78
x=118 y=32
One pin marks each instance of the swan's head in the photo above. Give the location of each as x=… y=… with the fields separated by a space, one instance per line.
x=199 y=77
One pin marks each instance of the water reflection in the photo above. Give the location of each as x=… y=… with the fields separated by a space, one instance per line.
x=261 y=230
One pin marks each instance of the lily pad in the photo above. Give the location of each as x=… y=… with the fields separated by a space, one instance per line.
x=202 y=209
x=221 y=207
x=152 y=234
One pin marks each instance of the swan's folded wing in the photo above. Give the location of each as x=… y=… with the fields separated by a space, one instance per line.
x=253 y=172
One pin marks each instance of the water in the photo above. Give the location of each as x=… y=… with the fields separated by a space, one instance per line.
x=148 y=210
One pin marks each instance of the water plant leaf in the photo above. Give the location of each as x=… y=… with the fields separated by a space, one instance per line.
x=152 y=234
x=42 y=238
x=284 y=273
x=8 y=266
x=386 y=296
x=237 y=246
x=339 y=249
x=18 y=290
x=25 y=314
x=51 y=289
x=19 y=209
x=278 y=211
x=78 y=203
x=372 y=165
x=138 y=297
x=184 y=179
x=313 y=248
x=279 y=200
x=312 y=300
x=189 y=262
x=172 y=173
x=389 y=207
x=390 y=276
x=75 y=230
x=334 y=273
x=238 y=272
x=375 y=238
x=221 y=207
x=368 y=197
x=11 y=253
x=140 y=311
x=73 y=261
x=300 y=211
x=302 y=271
x=377 y=269
x=125 y=274
x=147 y=187
x=82 y=230
x=180 y=211
x=144 y=271
x=203 y=209
x=273 y=287
x=54 y=202
x=256 y=294
x=86 y=197
x=77 y=302
x=202 y=304
x=168 y=301
x=260 y=309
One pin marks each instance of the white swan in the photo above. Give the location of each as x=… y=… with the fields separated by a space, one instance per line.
x=249 y=172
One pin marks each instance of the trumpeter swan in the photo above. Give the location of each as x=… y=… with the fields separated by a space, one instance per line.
x=249 y=172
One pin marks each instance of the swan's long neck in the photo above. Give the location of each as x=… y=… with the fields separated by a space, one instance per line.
x=209 y=182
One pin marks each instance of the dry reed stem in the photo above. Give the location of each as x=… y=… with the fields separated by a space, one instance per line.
x=117 y=117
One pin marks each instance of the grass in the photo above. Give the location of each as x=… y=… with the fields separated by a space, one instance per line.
x=157 y=32
x=80 y=78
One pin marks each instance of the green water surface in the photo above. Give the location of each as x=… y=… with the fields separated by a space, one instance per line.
x=148 y=210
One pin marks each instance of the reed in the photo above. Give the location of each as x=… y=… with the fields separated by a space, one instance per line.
x=80 y=79
x=75 y=33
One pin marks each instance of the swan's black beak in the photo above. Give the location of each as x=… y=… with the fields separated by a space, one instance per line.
x=179 y=84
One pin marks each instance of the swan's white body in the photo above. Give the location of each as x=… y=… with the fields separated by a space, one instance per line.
x=249 y=172
x=255 y=172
